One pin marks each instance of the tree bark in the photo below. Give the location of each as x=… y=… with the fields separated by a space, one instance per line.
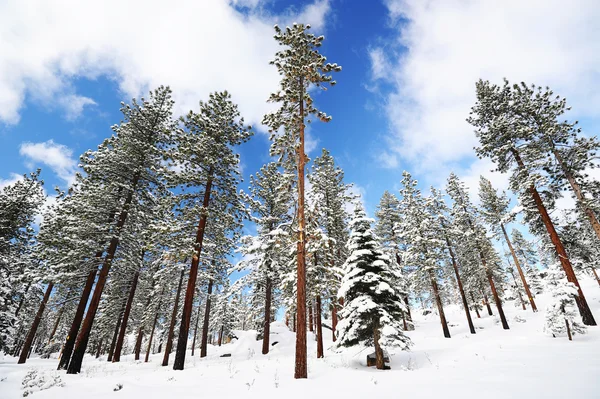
x=113 y=343
x=99 y=348
x=310 y=318
x=86 y=328
x=584 y=309
x=520 y=270
x=267 y=321
x=154 y=326
x=36 y=322
x=475 y=302
x=204 y=341
x=460 y=286
x=568 y=330
x=320 y=353
x=334 y=318
x=220 y=336
x=56 y=323
x=196 y=328
x=186 y=313
x=438 y=301
x=494 y=293
x=595 y=274
x=169 y=343
x=70 y=341
x=300 y=370
x=486 y=302
x=379 y=358
x=119 y=348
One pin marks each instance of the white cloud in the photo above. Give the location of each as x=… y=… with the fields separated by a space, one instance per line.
x=57 y=156
x=196 y=47
x=74 y=104
x=446 y=46
x=14 y=177
x=387 y=159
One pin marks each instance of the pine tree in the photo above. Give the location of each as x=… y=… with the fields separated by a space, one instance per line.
x=301 y=66
x=466 y=219
x=508 y=135
x=372 y=307
x=494 y=210
x=560 y=317
x=524 y=250
x=424 y=248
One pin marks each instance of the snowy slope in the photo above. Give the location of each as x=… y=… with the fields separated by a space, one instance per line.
x=519 y=363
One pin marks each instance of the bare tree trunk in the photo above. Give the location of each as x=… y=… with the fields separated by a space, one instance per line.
x=154 y=326
x=310 y=318
x=568 y=330
x=475 y=303
x=584 y=309
x=204 y=341
x=99 y=348
x=294 y=330
x=169 y=344
x=56 y=323
x=85 y=296
x=520 y=270
x=113 y=343
x=119 y=348
x=300 y=370
x=379 y=358
x=186 y=313
x=220 y=336
x=86 y=328
x=595 y=274
x=320 y=352
x=267 y=322
x=36 y=322
x=196 y=327
x=438 y=301
x=460 y=286
x=494 y=293
x=334 y=318
x=486 y=302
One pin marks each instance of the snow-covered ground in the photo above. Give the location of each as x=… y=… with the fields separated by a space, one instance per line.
x=519 y=363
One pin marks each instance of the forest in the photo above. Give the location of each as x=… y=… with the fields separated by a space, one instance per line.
x=160 y=253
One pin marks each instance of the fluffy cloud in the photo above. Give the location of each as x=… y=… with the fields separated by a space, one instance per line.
x=443 y=47
x=194 y=46
x=57 y=157
x=14 y=177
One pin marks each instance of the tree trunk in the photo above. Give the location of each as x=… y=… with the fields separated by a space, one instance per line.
x=310 y=318
x=520 y=270
x=113 y=343
x=460 y=286
x=584 y=309
x=186 y=313
x=117 y=356
x=578 y=193
x=36 y=322
x=475 y=303
x=334 y=318
x=494 y=293
x=300 y=370
x=154 y=326
x=319 y=328
x=595 y=274
x=379 y=358
x=169 y=343
x=138 y=343
x=294 y=330
x=85 y=296
x=220 y=336
x=486 y=302
x=438 y=301
x=99 y=348
x=204 y=340
x=518 y=291
x=196 y=327
x=56 y=323
x=86 y=328
x=267 y=322
x=568 y=330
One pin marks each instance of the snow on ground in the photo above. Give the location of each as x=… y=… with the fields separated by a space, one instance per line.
x=519 y=363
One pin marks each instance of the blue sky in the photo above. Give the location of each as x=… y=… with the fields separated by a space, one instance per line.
x=409 y=68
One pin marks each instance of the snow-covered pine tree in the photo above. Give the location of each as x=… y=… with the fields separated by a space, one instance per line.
x=466 y=219
x=441 y=213
x=529 y=259
x=495 y=212
x=424 y=251
x=560 y=315
x=266 y=254
x=208 y=174
x=508 y=136
x=20 y=202
x=301 y=67
x=372 y=307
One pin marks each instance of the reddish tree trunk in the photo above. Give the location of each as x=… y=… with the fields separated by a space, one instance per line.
x=204 y=341
x=119 y=348
x=70 y=341
x=475 y=302
x=438 y=301
x=596 y=275
x=186 y=313
x=379 y=358
x=310 y=318
x=486 y=302
x=334 y=319
x=518 y=265
x=301 y=370
x=320 y=353
x=267 y=322
x=153 y=326
x=113 y=343
x=460 y=286
x=56 y=323
x=86 y=328
x=584 y=309
x=169 y=343
x=36 y=322
x=196 y=328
